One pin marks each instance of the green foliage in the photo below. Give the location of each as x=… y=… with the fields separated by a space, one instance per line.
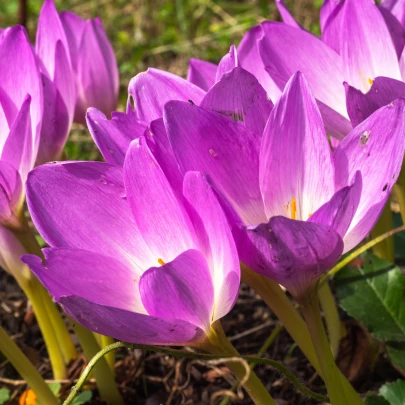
x=55 y=388
x=4 y=395
x=394 y=393
x=376 y=400
x=374 y=294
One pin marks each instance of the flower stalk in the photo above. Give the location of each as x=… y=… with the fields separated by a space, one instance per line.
x=25 y=368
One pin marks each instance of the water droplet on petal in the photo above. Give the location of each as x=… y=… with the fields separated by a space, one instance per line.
x=212 y=152
x=364 y=137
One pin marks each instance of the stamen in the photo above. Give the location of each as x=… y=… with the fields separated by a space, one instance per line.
x=161 y=262
x=293 y=208
x=370 y=81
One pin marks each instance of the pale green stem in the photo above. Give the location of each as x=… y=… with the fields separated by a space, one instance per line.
x=329 y=371
x=269 y=341
x=25 y=368
x=331 y=315
x=385 y=249
x=191 y=355
x=110 y=357
x=104 y=377
x=278 y=302
x=64 y=341
x=358 y=252
x=219 y=345
x=32 y=290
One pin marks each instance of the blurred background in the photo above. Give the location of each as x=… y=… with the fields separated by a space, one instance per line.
x=162 y=34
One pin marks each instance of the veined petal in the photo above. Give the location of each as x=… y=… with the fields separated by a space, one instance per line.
x=152 y=89
x=201 y=73
x=250 y=60
x=327 y=10
x=208 y=142
x=286 y=15
x=396 y=29
x=240 y=96
x=17 y=150
x=215 y=241
x=113 y=137
x=92 y=276
x=383 y=91
x=339 y=211
x=376 y=149
x=367 y=50
x=293 y=253
x=130 y=326
x=11 y=190
x=296 y=169
x=227 y=63
x=82 y=205
x=181 y=289
x=97 y=72
x=159 y=145
x=286 y=50
x=158 y=212
x=20 y=76
x=331 y=22
x=396 y=7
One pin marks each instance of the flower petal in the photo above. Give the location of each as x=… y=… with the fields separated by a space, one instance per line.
x=396 y=29
x=286 y=50
x=250 y=60
x=396 y=7
x=92 y=276
x=82 y=205
x=201 y=73
x=130 y=326
x=383 y=91
x=227 y=63
x=113 y=137
x=181 y=289
x=296 y=169
x=158 y=212
x=240 y=96
x=159 y=145
x=11 y=192
x=339 y=211
x=206 y=141
x=152 y=89
x=376 y=149
x=215 y=241
x=286 y=15
x=293 y=253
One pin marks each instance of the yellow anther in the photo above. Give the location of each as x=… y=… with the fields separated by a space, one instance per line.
x=370 y=81
x=161 y=262
x=293 y=208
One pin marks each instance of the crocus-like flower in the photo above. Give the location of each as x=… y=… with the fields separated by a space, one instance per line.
x=21 y=110
x=360 y=41
x=149 y=91
x=296 y=205
x=87 y=57
x=144 y=263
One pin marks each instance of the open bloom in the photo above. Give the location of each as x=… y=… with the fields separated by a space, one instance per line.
x=148 y=92
x=144 y=263
x=296 y=205
x=360 y=41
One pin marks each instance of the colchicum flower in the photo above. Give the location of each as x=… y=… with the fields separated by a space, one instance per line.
x=145 y=263
x=360 y=41
x=296 y=206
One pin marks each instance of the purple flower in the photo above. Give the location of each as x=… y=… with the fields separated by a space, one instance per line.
x=79 y=58
x=144 y=263
x=21 y=111
x=360 y=41
x=294 y=206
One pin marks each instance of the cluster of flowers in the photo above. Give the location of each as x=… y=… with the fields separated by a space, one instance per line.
x=232 y=165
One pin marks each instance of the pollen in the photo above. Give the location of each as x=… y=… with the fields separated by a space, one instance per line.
x=370 y=81
x=161 y=262
x=293 y=208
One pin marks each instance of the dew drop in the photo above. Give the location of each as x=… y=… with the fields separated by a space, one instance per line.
x=212 y=152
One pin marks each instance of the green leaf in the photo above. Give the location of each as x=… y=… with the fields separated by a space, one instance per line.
x=394 y=393
x=82 y=398
x=374 y=294
x=4 y=395
x=376 y=400
x=396 y=351
x=55 y=388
